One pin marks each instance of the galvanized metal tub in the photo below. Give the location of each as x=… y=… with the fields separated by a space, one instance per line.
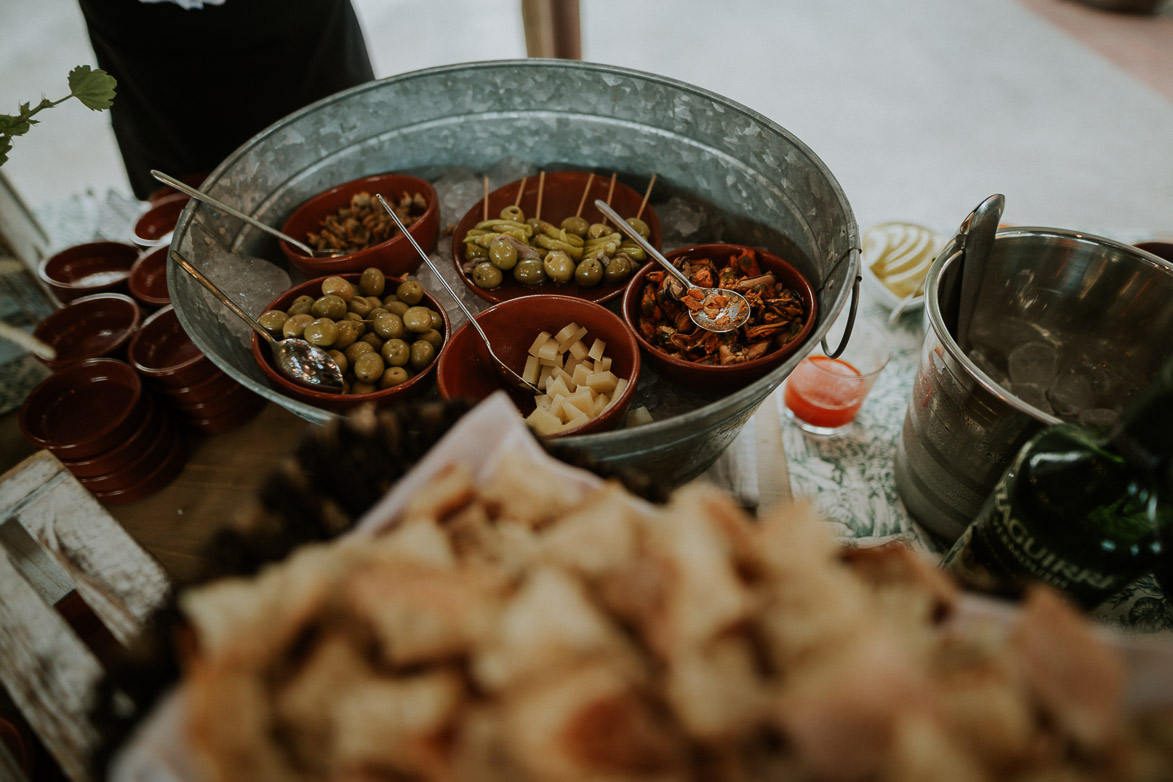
x=553 y=114
x=1098 y=299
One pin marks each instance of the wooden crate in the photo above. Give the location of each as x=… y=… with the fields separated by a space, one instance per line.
x=61 y=548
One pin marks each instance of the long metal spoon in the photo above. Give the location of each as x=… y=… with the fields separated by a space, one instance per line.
x=721 y=309
x=302 y=247
x=504 y=370
x=305 y=364
x=976 y=241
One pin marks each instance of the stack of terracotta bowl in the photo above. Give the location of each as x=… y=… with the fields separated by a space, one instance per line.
x=99 y=420
x=203 y=397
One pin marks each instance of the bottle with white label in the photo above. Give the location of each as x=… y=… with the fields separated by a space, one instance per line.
x=1080 y=510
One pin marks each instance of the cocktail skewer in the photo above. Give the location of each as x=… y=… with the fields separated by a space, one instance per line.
x=585 y=192
x=647 y=194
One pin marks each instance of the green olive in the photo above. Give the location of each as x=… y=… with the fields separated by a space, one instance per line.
x=361 y=387
x=422 y=354
x=433 y=336
x=502 y=254
x=337 y=286
x=360 y=306
x=322 y=332
x=390 y=297
x=372 y=339
x=340 y=359
x=529 y=272
x=437 y=320
x=330 y=306
x=396 y=352
x=372 y=281
x=576 y=225
x=486 y=275
x=558 y=266
x=393 y=376
x=617 y=269
x=397 y=307
x=300 y=306
x=598 y=231
x=356 y=350
x=589 y=273
x=417 y=320
x=369 y=367
x=347 y=333
x=513 y=213
x=272 y=321
x=388 y=325
x=633 y=251
x=295 y=326
x=640 y=226
x=410 y=291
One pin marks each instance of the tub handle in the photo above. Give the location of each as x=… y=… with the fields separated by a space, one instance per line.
x=851 y=312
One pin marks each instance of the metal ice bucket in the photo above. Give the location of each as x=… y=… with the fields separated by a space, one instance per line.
x=1105 y=306
x=551 y=114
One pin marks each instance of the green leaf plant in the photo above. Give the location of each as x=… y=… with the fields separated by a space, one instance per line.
x=94 y=88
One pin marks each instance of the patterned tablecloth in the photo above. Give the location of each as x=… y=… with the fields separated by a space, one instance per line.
x=850 y=477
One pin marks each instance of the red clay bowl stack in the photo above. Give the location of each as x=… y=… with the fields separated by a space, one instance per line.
x=395 y=256
x=417 y=385
x=98 y=419
x=84 y=269
x=90 y=327
x=717 y=377
x=155 y=225
x=201 y=396
x=466 y=371
x=148 y=278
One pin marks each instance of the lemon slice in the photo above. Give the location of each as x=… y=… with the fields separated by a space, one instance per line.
x=900 y=254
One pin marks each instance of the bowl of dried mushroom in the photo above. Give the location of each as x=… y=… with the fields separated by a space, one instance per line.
x=347 y=219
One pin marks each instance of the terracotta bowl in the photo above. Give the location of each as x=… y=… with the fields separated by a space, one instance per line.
x=226 y=402
x=154 y=422
x=85 y=269
x=396 y=257
x=164 y=470
x=716 y=377
x=466 y=372
x=92 y=326
x=144 y=460
x=1160 y=249
x=419 y=384
x=561 y=194
x=148 y=278
x=228 y=420
x=207 y=390
x=163 y=353
x=155 y=225
x=84 y=409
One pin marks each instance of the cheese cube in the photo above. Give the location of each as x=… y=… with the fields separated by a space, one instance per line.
x=543 y=422
x=538 y=342
x=602 y=382
x=531 y=372
x=596 y=351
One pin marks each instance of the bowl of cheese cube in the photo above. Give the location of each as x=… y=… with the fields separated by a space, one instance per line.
x=581 y=355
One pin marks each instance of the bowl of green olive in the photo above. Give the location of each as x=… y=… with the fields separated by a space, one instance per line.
x=544 y=235
x=385 y=333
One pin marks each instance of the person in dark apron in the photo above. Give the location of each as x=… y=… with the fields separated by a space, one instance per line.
x=198 y=78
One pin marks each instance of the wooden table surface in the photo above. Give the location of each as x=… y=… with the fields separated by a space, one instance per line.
x=220 y=478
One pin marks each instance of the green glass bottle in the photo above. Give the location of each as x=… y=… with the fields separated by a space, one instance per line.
x=1081 y=510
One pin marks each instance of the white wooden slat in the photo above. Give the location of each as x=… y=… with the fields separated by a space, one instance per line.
x=48 y=672
x=120 y=581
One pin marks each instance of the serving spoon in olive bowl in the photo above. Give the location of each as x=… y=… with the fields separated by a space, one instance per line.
x=303 y=363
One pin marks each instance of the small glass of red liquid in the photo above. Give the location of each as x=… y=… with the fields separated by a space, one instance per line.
x=823 y=395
